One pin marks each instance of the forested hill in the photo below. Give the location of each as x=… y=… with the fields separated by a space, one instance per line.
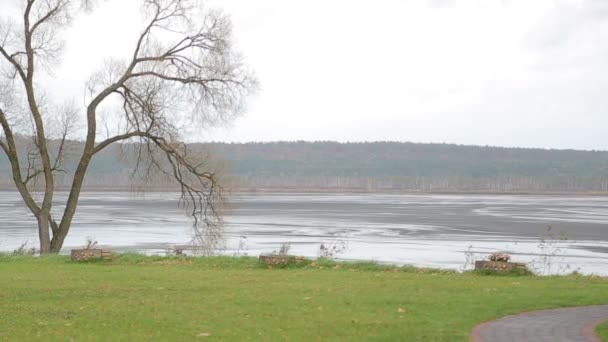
x=411 y=166
x=384 y=166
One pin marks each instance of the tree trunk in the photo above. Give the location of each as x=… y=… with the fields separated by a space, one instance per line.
x=44 y=234
x=59 y=237
x=56 y=244
x=72 y=202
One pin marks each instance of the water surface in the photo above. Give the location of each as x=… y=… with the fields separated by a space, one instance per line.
x=424 y=230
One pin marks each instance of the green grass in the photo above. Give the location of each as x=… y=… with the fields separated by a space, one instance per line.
x=602 y=331
x=136 y=298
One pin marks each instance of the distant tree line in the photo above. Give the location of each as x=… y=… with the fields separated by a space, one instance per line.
x=377 y=166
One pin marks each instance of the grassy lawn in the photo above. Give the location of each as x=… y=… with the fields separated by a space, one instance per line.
x=134 y=298
x=602 y=331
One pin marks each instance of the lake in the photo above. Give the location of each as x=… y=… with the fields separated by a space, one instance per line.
x=446 y=231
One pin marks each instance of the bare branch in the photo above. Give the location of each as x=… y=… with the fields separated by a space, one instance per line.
x=54 y=225
x=118 y=138
x=11 y=149
x=201 y=192
x=11 y=59
x=51 y=10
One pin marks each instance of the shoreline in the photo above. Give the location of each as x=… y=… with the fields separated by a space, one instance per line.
x=418 y=229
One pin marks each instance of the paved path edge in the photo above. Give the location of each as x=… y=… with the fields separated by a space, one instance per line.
x=588 y=330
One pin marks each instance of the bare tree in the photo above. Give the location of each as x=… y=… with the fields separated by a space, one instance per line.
x=183 y=71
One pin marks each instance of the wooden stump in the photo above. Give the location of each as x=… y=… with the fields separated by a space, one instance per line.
x=276 y=260
x=90 y=254
x=500 y=266
x=106 y=254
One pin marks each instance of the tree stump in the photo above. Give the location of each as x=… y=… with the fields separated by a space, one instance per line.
x=276 y=260
x=500 y=266
x=91 y=254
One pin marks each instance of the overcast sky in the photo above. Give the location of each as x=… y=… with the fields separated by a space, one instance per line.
x=487 y=72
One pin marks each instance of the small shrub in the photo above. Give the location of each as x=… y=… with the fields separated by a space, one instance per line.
x=332 y=250
x=242 y=247
x=469 y=259
x=90 y=243
x=175 y=251
x=23 y=249
x=550 y=260
x=284 y=250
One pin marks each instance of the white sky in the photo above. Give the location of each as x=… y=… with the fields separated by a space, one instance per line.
x=487 y=72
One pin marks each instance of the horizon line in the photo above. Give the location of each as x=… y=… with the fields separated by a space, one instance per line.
x=396 y=142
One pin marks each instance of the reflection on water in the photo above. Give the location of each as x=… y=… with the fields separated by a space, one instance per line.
x=425 y=230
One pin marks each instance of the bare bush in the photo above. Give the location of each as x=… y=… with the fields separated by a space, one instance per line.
x=332 y=249
x=283 y=250
x=552 y=253
x=469 y=259
x=23 y=249
x=90 y=243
